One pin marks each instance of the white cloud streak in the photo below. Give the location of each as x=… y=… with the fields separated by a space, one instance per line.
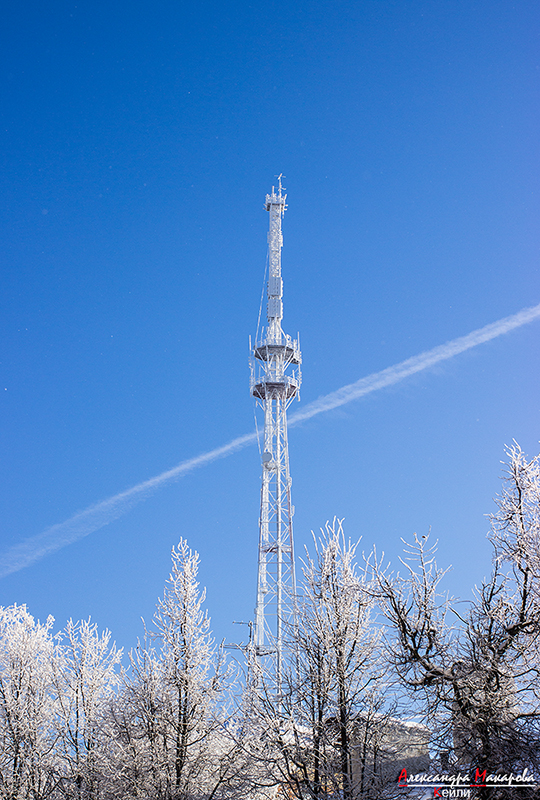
x=96 y=516
x=397 y=373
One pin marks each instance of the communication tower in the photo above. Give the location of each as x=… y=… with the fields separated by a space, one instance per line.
x=275 y=381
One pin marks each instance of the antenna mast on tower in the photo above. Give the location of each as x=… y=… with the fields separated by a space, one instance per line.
x=275 y=381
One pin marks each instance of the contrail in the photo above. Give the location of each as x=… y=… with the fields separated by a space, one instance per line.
x=390 y=375
x=100 y=514
x=96 y=516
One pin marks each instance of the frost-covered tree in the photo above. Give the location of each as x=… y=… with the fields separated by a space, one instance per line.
x=477 y=673
x=171 y=717
x=139 y=730
x=321 y=733
x=85 y=677
x=27 y=705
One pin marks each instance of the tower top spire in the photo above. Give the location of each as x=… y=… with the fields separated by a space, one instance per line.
x=277 y=199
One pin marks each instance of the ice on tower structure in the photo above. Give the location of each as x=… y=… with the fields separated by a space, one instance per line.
x=275 y=382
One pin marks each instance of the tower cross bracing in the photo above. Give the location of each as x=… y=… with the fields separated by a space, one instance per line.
x=275 y=382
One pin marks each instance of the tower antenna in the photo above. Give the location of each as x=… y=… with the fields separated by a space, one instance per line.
x=275 y=381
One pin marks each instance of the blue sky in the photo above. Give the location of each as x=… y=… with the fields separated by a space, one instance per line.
x=138 y=142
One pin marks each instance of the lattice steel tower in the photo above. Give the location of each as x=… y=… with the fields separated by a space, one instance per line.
x=275 y=381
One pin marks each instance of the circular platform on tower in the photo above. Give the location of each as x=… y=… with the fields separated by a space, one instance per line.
x=289 y=354
x=279 y=390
